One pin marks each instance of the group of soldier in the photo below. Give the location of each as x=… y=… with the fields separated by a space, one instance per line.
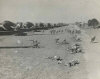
x=35 y=44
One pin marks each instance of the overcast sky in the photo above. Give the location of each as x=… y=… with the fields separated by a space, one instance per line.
x=49 y=10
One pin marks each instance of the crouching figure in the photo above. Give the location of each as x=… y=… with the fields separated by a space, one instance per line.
x=73 y=63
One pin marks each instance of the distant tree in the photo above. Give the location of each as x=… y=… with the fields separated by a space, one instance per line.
x=94 y=22
x=9 y=25
x=20 y=24
x=36 y=25
x=55 y=25
x=89 y=23
x=2 y=29
x=29 y=24
x=41 y=25
x=49 y=25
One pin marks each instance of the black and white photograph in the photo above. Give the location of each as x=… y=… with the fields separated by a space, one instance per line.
x=49 y=39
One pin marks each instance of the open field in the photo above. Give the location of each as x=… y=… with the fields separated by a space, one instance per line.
x=32 y=63
x=49 y=39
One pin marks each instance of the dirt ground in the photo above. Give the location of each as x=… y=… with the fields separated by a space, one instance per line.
x=92 y=53
x=31 y=63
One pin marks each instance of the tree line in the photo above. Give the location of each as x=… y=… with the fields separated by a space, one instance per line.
x=93 y=23
x=11 y=26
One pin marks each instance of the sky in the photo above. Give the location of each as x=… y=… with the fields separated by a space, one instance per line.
x=49 y=10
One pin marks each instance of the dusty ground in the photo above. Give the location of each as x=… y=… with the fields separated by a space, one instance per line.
x=92 y=53
x=31 y=63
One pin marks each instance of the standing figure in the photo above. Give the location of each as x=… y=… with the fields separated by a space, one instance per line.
x=93 y=39
x=57 y=40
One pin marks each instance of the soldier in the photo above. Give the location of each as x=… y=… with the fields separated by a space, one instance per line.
x=64 y=41
x=93 y=39
x=73 y=63
x=36 y=45
x=57 y=40
x=51 y=32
